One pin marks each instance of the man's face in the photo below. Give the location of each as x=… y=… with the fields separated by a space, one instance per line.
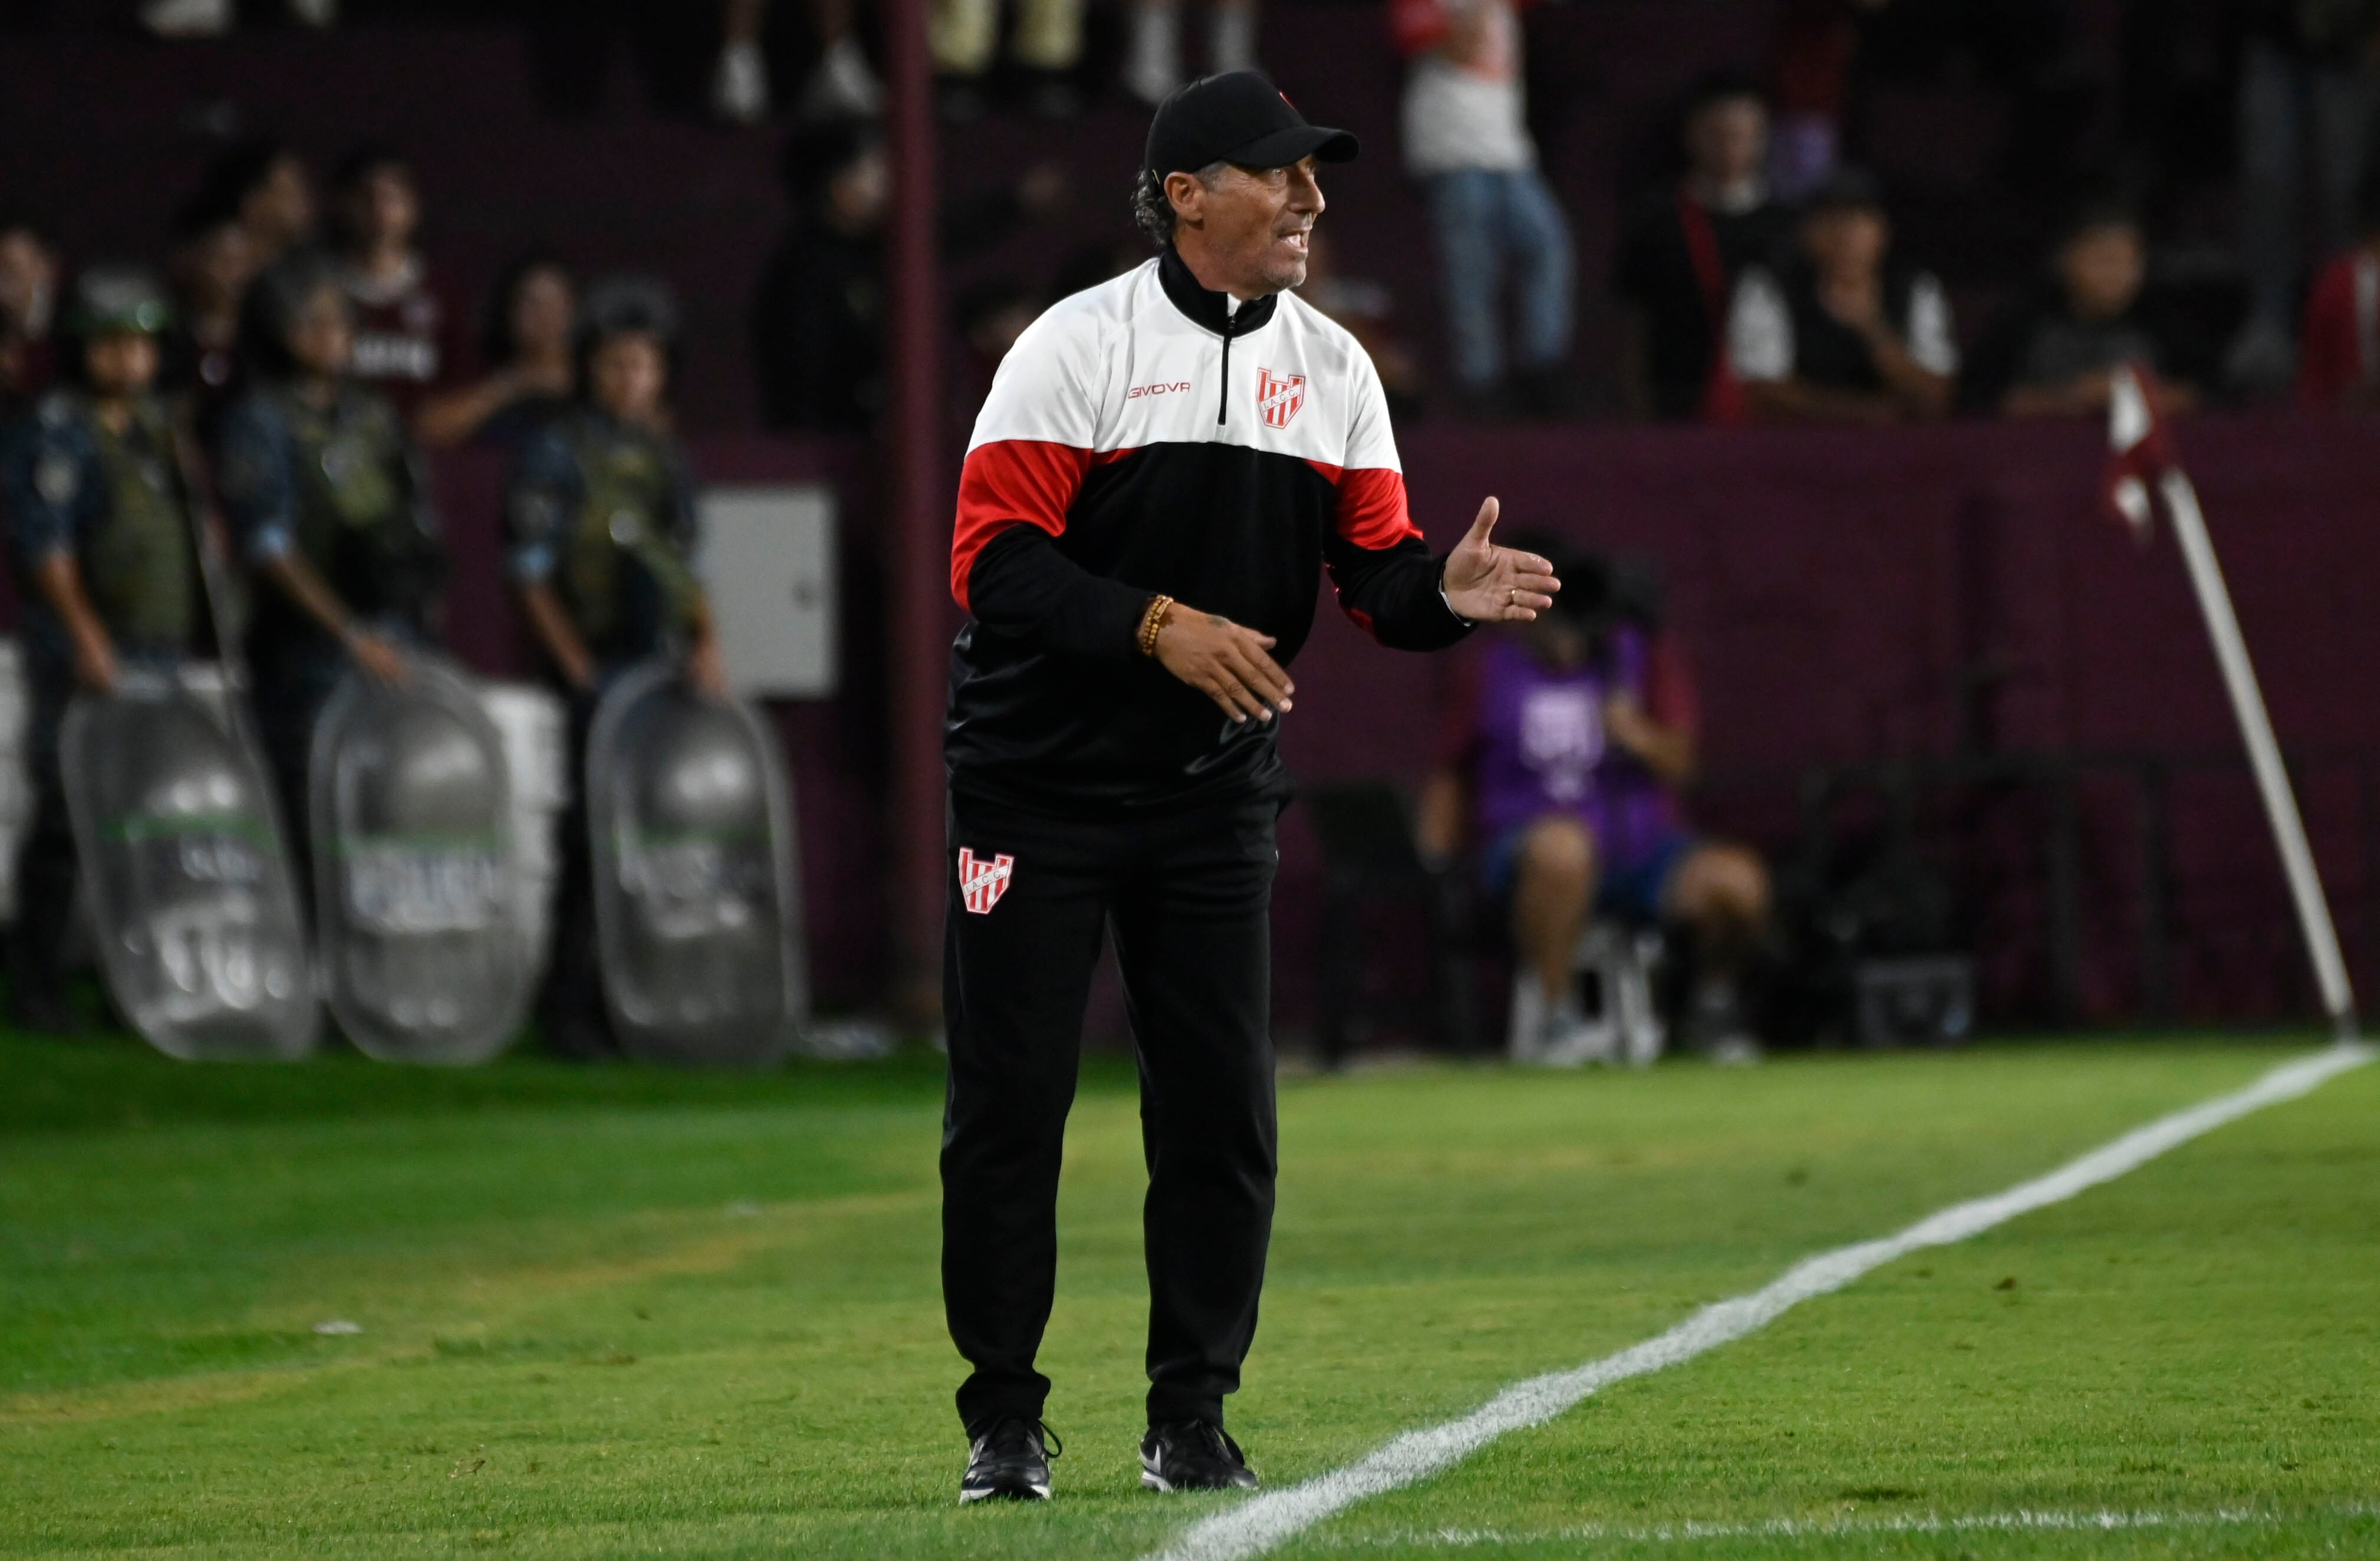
x=384 y=209
x=857 y=196
x=279 y=210
x=542 y=309
x=1255 y=222
x=1728 y=140
x=321 y=337
x=29 y=281
x=2101 y=268
x=218 y=265
x=628 y=371
x=121 y=363
x=1846 y=240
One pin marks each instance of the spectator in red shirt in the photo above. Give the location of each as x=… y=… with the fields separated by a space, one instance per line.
x=2339 y=362
x=401 y=321
x=1564 y=749
x=2309 y=106
x=1685 y=249
x=1466 y=137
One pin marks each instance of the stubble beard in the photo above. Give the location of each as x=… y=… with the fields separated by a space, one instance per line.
x=1284 y=272
x=1287 y=275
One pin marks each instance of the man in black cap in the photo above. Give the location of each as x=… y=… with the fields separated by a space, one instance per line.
x=1166 y=464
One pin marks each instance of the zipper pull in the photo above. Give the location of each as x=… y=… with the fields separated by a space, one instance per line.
x=1223 y=392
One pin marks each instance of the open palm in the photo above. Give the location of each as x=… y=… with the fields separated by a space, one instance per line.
x=1491 y=585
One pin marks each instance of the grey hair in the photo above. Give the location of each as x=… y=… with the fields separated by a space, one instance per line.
x=1152 y=213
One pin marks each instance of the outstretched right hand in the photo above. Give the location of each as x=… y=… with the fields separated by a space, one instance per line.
x=1225 y=662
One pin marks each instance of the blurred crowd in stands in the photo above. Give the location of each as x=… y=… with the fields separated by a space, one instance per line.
x=259 y=205
x=1760 y=280
x=1761 y=275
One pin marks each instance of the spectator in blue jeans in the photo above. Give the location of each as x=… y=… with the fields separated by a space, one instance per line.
x=1466 y=138
x=2309 y=111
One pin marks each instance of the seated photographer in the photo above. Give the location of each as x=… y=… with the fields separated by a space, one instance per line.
x=1565 y=746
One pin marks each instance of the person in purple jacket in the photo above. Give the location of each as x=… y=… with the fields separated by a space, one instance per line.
x=1564 y=748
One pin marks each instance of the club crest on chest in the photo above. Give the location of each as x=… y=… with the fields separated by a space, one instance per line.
x=1279 y=396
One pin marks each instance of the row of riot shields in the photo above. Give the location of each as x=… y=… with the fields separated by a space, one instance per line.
x=419 y=948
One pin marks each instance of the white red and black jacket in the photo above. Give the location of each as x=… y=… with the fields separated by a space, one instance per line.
x=1141 y=439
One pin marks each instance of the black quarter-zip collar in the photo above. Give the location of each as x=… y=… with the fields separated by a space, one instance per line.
x=1211 y=310
x=1216 y=312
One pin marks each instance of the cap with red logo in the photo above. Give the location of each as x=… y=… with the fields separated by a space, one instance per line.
x=1239 y=118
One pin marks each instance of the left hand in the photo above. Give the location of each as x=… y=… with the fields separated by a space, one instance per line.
x=1490 y=585
x=704 y=668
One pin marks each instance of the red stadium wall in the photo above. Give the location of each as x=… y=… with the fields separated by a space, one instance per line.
x=1835 y=591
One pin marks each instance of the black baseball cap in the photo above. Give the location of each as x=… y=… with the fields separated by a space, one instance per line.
x=1845 y=190
x=1239 y=118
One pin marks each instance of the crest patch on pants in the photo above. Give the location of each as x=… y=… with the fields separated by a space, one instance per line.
x=1279 y=396
x=983 y=880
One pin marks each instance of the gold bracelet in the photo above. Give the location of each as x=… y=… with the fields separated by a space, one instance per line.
x=1152 y=622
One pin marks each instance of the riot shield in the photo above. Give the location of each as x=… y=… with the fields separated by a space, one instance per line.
x=192 y=897
x=416 y=927
x=536 y=730
x=696 y=915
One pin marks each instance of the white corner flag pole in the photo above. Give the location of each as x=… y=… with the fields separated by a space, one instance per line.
x=2130 y=422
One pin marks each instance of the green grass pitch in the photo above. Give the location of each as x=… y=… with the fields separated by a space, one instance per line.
x=620 y=1313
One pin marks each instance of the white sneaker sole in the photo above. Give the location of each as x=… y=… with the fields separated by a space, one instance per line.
x=1040 y=1493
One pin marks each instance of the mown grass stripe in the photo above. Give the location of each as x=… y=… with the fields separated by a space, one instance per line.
x=1268 y=1520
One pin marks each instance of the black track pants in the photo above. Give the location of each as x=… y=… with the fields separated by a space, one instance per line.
x=1187 y=896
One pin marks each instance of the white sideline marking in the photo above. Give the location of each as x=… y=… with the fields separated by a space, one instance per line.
x=1262 y=1522
x=2022 y=1520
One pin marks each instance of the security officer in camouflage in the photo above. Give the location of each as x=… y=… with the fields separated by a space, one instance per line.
x=103 y=538
x=329 y=508
x=601 y=526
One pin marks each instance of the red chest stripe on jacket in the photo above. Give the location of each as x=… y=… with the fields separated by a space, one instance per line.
x=1014 y=482
x=1372 y=512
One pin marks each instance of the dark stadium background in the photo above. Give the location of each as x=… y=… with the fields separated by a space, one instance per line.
x=1920 y=605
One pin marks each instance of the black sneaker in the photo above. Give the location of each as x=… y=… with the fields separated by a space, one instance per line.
x=1193 y=1455
x=1010 y=1461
